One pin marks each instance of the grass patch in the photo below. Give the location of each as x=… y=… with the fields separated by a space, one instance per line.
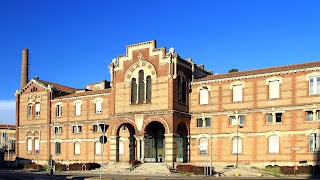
x=273 y=169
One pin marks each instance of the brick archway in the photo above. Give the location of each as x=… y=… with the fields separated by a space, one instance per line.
x=159 y=119
x=120 y=122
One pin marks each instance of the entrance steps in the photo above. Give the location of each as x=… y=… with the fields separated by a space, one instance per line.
x=152 y=168
x=119 y=167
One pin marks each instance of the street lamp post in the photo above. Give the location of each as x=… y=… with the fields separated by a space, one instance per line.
x=207 y=89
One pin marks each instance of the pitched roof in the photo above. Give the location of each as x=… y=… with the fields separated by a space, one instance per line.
x=261 y=71
x=57 y=86
x=6 y=126
x=86 y=93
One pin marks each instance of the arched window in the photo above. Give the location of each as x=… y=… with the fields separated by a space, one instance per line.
x=133 y=91
x=274 y=142
x=141 y=94
x=148 y=89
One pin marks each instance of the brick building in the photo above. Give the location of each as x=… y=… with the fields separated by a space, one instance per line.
x=159 y=107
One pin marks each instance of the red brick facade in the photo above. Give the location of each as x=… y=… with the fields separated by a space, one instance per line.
x=166 y=126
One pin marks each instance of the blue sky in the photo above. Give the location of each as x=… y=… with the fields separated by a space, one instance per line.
x=72 y=42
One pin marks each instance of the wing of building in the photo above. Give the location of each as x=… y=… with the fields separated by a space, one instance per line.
x=159 y=107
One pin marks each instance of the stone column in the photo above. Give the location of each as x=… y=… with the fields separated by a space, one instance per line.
x=142 y=149
x=170 y=151
x=138 y=147
x=113 y=148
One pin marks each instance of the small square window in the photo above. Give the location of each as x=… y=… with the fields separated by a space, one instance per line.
x=278 y=117
x=233 y=120
x=269 y=118
x=309 y=116
x=208 y=121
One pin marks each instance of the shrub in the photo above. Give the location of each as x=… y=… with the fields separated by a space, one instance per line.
x=61 y=167
x=90 y=166
x=198 y=170
x=288 y=170
x=75 y=167
x=32 y=166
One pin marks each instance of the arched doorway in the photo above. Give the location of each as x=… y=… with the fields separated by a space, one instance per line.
x=182 y=151
x=126 y=143
x=154 y=142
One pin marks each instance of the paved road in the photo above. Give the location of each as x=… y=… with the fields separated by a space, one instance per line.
x=29 y=175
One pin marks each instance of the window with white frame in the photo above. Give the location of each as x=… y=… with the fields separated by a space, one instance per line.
x=77 y=148
x=274 y=144
x=58 y=130
x=57 y=147
x=274 y=117
x=199 y=122
x=314 y=85
x=29 y=144
x=98 y=147
x=237 y=93
x=274 y=89
x=318 y=115
x=98 y=106
x=121 y=147
x=36 y=143
x=314 y=142
x=204 y=96
x=203 y=144
x=237 y=121
x=76 y=129
x=59 y=110
x=30 y=110
x=237 y=145
x=208 y=121
x=309 y=115
x=203 y=122
x=78 y=108
x=37 y=109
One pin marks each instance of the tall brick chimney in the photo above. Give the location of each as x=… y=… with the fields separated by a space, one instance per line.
x=24 y=68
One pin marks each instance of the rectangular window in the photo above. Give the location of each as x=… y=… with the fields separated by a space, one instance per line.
x=269 y=118
x=30 y=110
x=98 y=147
x=309 y=116
x=78 y=109
x=274 y=89
x=36 y=143
x=199 y=122
x=318 y=115
x=76 y=129
x=59 y=110
x=274 y=143
x=38 y=109
x=29 y=141
x=241 y=119
x=208 y=121
x=58 y=147
x=314 y=85
x=77 y=148
x=233 y=120
x=204 y=96
x=237 y=93
x=98 y=107
x=278 y=117
x=58 y=130
x=236 y=145
x=312 y=145
x=95 y=128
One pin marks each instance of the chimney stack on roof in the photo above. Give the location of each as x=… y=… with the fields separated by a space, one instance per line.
x=24 y=68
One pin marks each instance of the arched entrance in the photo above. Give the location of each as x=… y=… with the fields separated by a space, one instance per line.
x=182 y=143
x=154 y=142
x=126 y=143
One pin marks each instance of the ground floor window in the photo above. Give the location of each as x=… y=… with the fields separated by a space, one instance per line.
x=236 y=145
x=314 y=142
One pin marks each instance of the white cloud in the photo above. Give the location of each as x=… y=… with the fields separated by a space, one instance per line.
x=7 y=104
